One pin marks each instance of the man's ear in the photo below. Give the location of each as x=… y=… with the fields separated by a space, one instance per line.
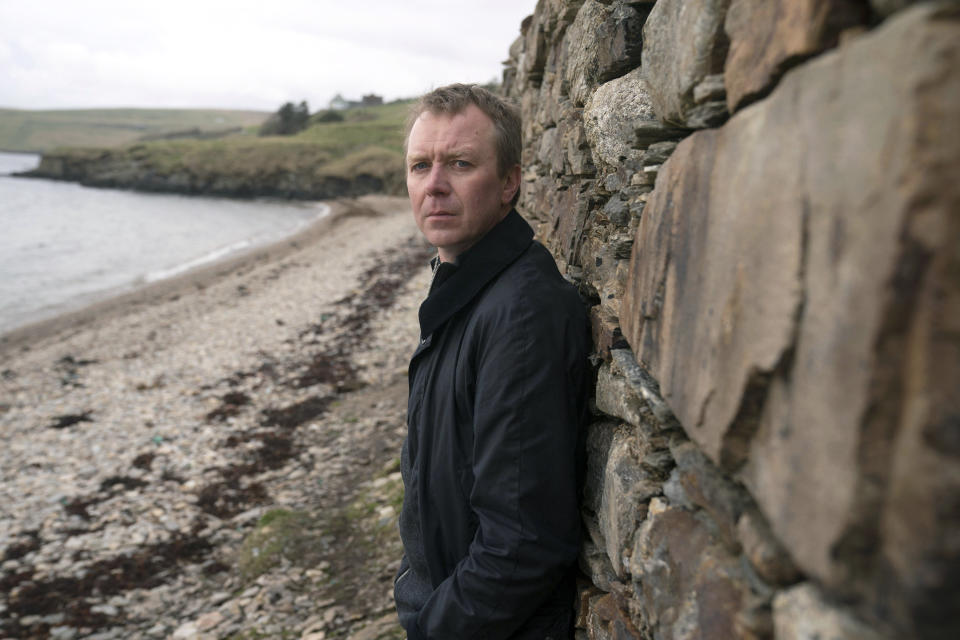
x=511 y=182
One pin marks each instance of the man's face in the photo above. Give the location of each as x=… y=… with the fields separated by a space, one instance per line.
x=455 y=190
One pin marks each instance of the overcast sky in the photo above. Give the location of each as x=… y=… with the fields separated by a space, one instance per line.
x=57 y=54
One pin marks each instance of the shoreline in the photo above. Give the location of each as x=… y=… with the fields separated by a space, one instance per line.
x=193 y=279
x=154 y=444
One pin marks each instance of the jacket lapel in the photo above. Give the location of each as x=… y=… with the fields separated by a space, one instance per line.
x=477 y=266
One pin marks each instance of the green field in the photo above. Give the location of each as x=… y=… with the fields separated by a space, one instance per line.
x=39 y=131
x=363 y=143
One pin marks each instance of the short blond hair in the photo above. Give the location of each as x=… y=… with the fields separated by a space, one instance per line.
x=455 y=98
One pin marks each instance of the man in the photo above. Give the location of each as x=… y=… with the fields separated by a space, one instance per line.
x=490 y=521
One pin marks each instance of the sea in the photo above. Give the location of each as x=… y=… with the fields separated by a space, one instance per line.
x=64 y=246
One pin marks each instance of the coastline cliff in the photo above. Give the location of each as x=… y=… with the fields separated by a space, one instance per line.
x=284 y=170
x=356 y=154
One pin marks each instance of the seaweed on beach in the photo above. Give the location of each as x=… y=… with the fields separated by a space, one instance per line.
x=347 y=327
x=70 y=419
x=229 y=496
x=380 y=285
x=226 y=498
x=78 y=506
x=333 y=369
x=29 y=542
x=230 y=405
x=144 y=460
x=150 y=566
x=125 y=482
x=109 y=487
x=294 y=415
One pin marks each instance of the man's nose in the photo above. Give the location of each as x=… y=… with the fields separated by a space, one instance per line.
x=437 y=183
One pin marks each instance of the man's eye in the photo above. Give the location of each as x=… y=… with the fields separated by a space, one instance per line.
x=418 y=166
x=461 y=164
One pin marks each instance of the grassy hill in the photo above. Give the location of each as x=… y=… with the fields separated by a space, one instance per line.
x=359 y=154
x=39 y=131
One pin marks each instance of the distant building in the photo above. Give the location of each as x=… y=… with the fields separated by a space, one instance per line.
x=339 y=103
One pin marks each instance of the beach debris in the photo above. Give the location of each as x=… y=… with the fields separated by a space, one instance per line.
x=144 y=460
x=230 y=405
x=296 y=414
x=69 y=368
x=70 y=419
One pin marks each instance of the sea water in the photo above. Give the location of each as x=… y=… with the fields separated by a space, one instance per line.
x=63 y=245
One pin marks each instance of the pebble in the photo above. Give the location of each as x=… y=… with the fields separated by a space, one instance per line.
x=63 y=633
x=186 y=631
x=131 y=480
x=209 y=620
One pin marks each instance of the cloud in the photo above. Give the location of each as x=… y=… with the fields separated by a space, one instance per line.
x=245 y=54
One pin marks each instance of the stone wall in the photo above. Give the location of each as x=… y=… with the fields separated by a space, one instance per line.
x=761 y=199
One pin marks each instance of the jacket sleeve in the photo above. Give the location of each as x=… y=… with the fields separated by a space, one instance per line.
x=529 y=362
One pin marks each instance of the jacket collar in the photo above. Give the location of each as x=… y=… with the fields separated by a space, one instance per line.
x=475 y=268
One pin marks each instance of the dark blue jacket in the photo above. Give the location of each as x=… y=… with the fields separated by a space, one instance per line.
x=490 y=521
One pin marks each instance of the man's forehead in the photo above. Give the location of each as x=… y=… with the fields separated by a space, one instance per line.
x=467 y=128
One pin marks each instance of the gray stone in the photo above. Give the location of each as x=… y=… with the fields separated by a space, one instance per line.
x=620 y=122
x=689 y=586
x=853 y=456
x=674 y=492
x=694 y=311
x=606 y=331
x=562 y=212
x=791 y=296
x=684 y=45
x=603 y=42
x=765 y=553
x=706 y=487
x=606 y=272
x=643 y=385
x=579 y=156
x=658 y=152
x=707 y=114
x=863 y=235
x=595 y=564
x=531 y=51
x=63 y=633
x=599 y=440
x=801 y=613
x=710 y=89
x=628 y=485
x=548 y=143
x=615 y=397
x=617 y=210
x=767 y=38
x=804 y=469
x=609 y=619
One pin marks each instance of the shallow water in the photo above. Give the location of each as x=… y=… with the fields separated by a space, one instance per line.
x=63 y=245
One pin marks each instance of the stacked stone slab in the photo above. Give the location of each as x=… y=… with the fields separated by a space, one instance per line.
x=760 y=199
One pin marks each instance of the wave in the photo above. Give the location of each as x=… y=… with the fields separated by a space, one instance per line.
x=213 y=256
x=222 y=252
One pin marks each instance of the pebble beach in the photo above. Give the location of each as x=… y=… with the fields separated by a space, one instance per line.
x=216 y=455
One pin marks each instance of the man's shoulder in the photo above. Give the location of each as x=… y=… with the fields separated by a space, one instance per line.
x=532 y=281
